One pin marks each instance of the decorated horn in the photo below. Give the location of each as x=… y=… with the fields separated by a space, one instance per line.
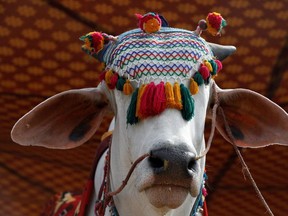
x=220 y=51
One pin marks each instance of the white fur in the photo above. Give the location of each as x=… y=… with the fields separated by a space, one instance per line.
x=131 y=141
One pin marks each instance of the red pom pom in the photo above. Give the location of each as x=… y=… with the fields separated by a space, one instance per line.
x=97 y=41
x=113 y=81
x=214 y=20
x=204 y=71
x=219 y=65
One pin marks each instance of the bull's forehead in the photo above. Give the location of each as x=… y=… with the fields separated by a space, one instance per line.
x=167 y=53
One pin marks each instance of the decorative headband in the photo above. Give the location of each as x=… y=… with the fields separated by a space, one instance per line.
x=157 y=59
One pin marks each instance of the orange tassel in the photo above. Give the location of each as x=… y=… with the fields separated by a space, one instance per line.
x=194 y=88
x=108 y=76
x=170 y=102
x=127 y=88
x=139 y=98
x=208 y=65
x=177 y=96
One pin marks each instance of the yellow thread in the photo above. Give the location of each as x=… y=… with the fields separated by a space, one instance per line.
x=208 y=65
x=177 y=96
x=127 y=88
x=194 y=88
x=108 y=76
x=140 y=93
x=170 y=102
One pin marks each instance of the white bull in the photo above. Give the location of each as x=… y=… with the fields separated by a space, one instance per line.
x=170 y=179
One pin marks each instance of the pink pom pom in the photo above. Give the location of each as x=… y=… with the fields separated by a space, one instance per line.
x=219 y=65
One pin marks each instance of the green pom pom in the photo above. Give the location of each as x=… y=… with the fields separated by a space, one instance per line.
x=214 y=66
x=198 y=78
x=131 y=112
x=188 y=103
x=120 y=83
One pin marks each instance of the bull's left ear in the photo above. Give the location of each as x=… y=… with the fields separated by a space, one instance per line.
x=63 y=121
x=254 y=120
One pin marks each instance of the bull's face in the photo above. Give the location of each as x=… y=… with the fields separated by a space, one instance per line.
x=169 y=75
x=171 y=172
x=160 y=86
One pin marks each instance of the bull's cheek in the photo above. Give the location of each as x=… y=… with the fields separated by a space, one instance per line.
x=166 y=196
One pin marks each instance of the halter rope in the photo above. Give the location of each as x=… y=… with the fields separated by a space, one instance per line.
x=245 y=168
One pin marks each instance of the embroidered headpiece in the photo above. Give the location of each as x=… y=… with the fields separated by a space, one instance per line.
x=157 y=60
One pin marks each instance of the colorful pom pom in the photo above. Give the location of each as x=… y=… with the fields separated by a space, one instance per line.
x=146 y=104
x=193 y=87
x=131 y=112
x=170 y=102
x=93 y=42
x=159 y=100
x=113 y=81
x=120 y=83
x=149 y=22
x=204 y=71
x=198 y=78
x=188 y=103
x=208 y=65
x=139 y=99
x=177 y=96
x=214 y=67
x=215 y=23
x=127 y=88
x=108 y=76
x=219 y=65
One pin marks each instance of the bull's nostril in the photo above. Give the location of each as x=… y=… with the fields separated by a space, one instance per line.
x=191 y=164
x=155 y=162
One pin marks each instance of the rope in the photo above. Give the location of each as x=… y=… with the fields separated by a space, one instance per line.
x=213 y=125
x=245 y=168
x=102 y=204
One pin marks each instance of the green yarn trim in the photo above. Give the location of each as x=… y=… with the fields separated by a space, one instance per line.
x=120 y=83
x=214 y=66
x=131 y=112
x=187 y=102
x=198 y=78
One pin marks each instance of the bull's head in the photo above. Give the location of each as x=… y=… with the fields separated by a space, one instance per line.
x=159 y=82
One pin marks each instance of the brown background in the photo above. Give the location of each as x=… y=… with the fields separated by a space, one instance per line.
x=40 y=55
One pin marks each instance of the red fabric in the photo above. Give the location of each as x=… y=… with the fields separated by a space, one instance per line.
x=205 y=209
x=75 y=204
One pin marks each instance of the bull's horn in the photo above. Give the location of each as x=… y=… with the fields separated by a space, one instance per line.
x=221 y=51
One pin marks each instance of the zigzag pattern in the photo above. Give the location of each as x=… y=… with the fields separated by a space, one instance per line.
x=170 y=44
x=157 y=55
x=139 y=70
x=139 y=55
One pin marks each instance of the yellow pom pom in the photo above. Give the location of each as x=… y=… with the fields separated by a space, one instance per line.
x=108 y=76
x=194 y=88
x=127 y=88
x=208 y=65
x=177 y=96
x=170 y=102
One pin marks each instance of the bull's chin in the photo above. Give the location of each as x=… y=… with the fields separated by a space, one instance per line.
x=166 y=196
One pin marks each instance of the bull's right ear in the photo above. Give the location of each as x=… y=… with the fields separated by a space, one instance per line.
x=63 y=121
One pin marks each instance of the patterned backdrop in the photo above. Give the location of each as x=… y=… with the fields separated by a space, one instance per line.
x=40 y=55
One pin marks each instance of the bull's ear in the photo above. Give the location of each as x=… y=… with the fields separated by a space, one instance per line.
x=63 y=121
x=254 y=120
